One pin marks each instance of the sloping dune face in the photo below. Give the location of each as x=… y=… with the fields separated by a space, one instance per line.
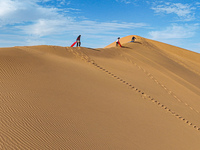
x=145 y=95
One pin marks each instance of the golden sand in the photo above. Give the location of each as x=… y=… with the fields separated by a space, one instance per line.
x=143 y=96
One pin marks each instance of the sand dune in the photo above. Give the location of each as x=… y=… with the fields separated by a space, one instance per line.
x=145 y=95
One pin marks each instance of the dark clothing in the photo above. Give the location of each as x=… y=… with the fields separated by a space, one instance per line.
x=133 y=39
x=117 y=43
x=78 y=38
x=78 y=44
x=78 y=41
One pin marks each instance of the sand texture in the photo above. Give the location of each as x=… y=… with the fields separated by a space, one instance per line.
x=143 y=96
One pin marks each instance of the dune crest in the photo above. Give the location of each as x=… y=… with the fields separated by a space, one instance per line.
x=144 y=95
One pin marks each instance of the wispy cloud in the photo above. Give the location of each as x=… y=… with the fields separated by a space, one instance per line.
x=175 y=31
x=185 y=12
x=124 y=1
x=134 y=2
x=46 y=27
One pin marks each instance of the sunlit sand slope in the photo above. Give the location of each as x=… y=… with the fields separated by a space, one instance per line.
x=145 y=95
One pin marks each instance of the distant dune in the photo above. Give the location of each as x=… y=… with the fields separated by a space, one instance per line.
x=143 y=96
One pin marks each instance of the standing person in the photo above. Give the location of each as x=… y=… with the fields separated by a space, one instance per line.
x=117 y=41
x=78 y=41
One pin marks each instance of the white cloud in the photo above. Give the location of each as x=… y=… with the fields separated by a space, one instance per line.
x=44 y=27
x=184 y=11
x=37 y=20
x=6 y=7
x=175 y=32
x=13 y=11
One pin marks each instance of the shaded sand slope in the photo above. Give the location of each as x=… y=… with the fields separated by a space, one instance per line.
x=137 y=97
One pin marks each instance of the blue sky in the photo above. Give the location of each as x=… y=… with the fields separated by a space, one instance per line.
x=100 y=22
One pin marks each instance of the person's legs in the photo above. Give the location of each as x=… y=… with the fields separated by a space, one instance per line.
x=78 y=43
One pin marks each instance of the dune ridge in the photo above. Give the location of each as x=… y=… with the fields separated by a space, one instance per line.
x=144 y=95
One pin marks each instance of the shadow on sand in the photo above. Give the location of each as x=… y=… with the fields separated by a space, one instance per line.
x=133 y=43
x=93 y=49
x=136 y=42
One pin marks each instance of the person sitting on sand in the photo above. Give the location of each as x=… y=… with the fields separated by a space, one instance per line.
x=133 y=39
x=117 y=41
x=78 y=41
